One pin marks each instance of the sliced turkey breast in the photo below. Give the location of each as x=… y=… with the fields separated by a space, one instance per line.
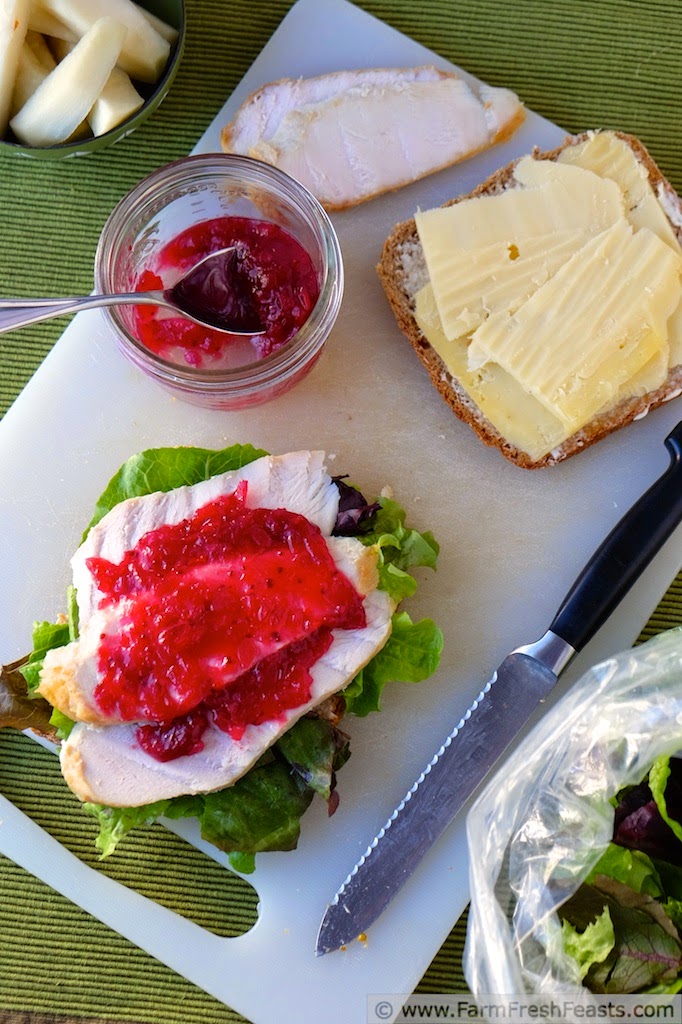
x=297 y=481
x=351 y=135
x=71 y=676
x=106 y=765
x=107 y=757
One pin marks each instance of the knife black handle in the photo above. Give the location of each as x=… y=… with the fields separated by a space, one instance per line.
x=624 y=555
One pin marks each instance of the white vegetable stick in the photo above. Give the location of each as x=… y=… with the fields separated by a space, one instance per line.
x=57 y=49
x=145 y=53
x=30 y=74
x=118 y=100
x=41 y=50
x=40 y=20
x=169 y=33
x=13 y=26
x=58 y=106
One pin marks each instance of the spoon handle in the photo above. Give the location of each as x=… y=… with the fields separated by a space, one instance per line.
x=15 y=313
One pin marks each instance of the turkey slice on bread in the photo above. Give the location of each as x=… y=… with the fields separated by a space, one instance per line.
x=351 y=135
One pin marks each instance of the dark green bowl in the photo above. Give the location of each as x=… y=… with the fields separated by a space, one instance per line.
x=172 y=12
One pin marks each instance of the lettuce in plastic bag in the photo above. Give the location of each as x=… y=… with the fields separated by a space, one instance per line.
x=555 y=901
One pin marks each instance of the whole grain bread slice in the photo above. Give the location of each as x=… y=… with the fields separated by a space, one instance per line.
x=402 y=272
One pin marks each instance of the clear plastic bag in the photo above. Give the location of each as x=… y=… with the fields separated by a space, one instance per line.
x=544 y=820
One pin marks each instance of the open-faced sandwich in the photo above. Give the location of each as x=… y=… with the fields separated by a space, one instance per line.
x=227 y=609
x=547 y=305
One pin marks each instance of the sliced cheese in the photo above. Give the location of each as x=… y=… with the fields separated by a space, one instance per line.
x=554 y=300
x=650 y=377
x=500 y=277
x=488 y=254
x=599 y=320
x=675 y=336
x=611 y=157
x=517 y=415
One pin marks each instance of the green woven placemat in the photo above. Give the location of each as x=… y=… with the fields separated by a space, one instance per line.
x=581 y=63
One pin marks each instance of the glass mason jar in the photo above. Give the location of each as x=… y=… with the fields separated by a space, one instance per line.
x=202 y=188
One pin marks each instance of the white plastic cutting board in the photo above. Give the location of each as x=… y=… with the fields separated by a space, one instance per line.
x=512 y=542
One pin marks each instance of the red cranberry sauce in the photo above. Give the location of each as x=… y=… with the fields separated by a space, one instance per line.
x=274 y=685
x=177 y=739
x=274 y=276
x=220 y=612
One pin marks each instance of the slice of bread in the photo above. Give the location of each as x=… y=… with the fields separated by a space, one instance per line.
x=402 y=271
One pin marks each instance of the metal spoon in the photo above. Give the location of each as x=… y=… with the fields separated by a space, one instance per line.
x=193 y=297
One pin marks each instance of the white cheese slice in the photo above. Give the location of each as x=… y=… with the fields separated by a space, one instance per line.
x=500 y=277
x=517 y=415
x=596 y=323
x=491 y=261
x=611 y=157
x=488 y=254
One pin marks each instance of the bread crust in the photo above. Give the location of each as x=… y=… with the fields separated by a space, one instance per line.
x=402 y=246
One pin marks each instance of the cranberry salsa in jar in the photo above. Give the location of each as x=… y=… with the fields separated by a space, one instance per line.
x=284 y=267
x=268 y=270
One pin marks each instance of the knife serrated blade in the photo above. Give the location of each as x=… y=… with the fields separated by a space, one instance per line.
x=502 y=708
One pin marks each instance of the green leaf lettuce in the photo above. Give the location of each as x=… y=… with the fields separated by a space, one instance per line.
x=592 y=945
x=410 y=655
x=261 y=811
x=164 y=469
x=659 y=774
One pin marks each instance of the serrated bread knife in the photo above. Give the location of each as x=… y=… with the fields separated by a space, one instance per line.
x=502 y=708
